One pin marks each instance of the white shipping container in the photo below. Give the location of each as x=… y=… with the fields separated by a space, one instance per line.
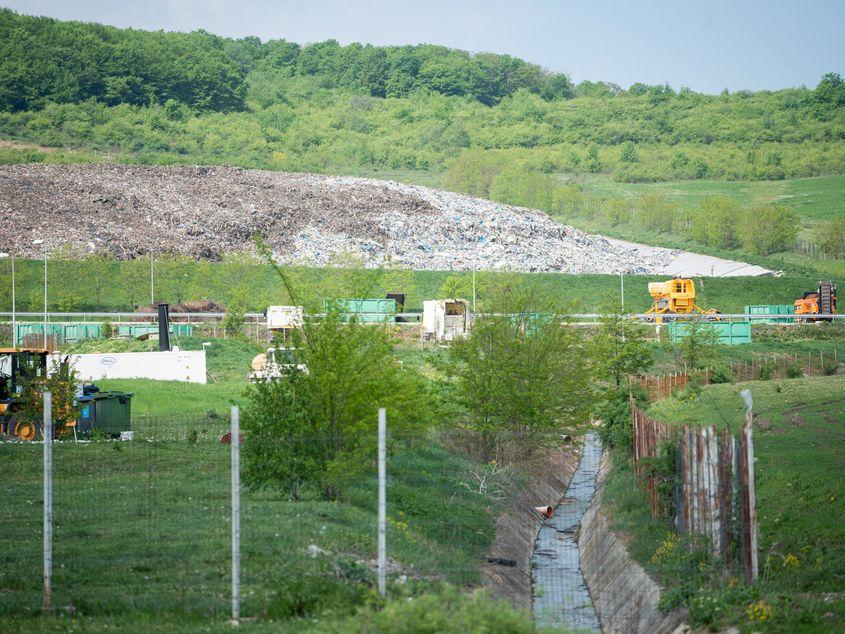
x=446 y=319
x=284 y=317
x=183 y=365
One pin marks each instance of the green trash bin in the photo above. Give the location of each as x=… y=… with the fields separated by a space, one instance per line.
x=108 y=412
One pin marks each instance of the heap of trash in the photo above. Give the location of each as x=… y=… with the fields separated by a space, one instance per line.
x=206 y=212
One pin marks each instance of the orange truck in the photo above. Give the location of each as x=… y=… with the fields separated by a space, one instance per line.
x=819 y=302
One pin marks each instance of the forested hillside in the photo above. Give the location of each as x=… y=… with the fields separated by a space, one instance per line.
x=487 y=124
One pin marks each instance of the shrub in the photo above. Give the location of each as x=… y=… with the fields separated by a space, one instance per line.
x=830 y=367
x=766 y=370
x=315 y=427
x=794 y=371
x=721 y=373
x=715 y=222
x=449 y=612
x=336 y=586
x=233 y=321
x=615 y=414
x=768 y=228
x=519 y=378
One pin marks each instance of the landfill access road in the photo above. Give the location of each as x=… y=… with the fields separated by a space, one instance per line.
x=687 y=264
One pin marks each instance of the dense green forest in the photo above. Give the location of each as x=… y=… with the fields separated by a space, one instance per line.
x=176 y=97
x=486 y=124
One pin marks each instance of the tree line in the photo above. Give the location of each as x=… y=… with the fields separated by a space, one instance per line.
x=718 y=221
x=46 y=60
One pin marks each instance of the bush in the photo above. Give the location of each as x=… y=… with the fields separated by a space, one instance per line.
x=721 y=373
x=767 y=229
x=315 y=427
x=331 y=586
x=830 y=367
x=519 y=379
x=829 y=237
x=449 y=612
x=233 y=321
x=794 y=371
x=615 y=414
x=715 y=222
x=766 y=371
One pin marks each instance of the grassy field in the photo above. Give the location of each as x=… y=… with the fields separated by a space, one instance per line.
x=141 y=536
x=799 y=435
x=814 y=199
x=179 y=410
x=259 y=286
x=141 y=528
x=667 y=357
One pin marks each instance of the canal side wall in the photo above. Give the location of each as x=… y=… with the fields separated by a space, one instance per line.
x=623 y=594
x=507 y=572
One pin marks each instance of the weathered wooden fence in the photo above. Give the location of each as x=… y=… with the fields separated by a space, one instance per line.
x=778 y=366
x=664 y=385
x=764 y=367
x=713 y=484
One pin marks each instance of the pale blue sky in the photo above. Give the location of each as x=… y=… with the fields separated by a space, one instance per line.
x=707 y=45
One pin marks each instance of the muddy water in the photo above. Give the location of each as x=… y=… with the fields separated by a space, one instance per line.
x=560 y=596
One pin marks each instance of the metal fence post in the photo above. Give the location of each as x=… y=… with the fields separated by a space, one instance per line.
x=236 y=513
x=47 y=432
x=382 y=502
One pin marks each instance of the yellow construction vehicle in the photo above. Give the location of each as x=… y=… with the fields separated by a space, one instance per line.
x=675 y=297
x=17 y=366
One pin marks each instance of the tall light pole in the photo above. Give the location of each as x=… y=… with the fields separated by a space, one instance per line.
x=14 y=323
x=622 y=290
x=152 y=281
x=44 y=248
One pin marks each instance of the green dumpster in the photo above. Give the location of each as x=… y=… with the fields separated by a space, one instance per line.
x=108 y=412
x=730 y=333
x=366 y=311
x=771 y=309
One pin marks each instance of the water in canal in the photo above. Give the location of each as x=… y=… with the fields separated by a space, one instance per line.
x=560 y=596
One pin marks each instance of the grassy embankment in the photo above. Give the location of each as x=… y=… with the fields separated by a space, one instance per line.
x=815 y=200
x=141 y=529
x=799 y=436
x=258 y=286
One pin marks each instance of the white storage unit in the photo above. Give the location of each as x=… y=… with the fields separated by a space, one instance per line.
x=446 y=319
x=284 y=317
x=182 y=365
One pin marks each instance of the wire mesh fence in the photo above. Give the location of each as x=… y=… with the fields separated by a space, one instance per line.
x=144 y=528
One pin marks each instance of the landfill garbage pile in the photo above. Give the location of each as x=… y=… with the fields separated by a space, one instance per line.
x=307 y=219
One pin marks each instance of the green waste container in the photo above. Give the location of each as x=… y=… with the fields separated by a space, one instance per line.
x=729 y=333
x=771 y=309
x=108 y=412
x=367 y=311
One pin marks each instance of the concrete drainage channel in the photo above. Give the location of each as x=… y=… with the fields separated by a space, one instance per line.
x=560 y=595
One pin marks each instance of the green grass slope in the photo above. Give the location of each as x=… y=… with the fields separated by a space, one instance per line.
x=798 y=438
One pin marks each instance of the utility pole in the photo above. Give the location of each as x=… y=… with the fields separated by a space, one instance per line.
x=236 y=513
x=47 y=431
x=622 y=290
x=14 y=326
x=152 y=281
x=44 y=248
x=473 y=290
x=382 y=502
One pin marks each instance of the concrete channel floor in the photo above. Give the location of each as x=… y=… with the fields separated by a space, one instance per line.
x=560 y=596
